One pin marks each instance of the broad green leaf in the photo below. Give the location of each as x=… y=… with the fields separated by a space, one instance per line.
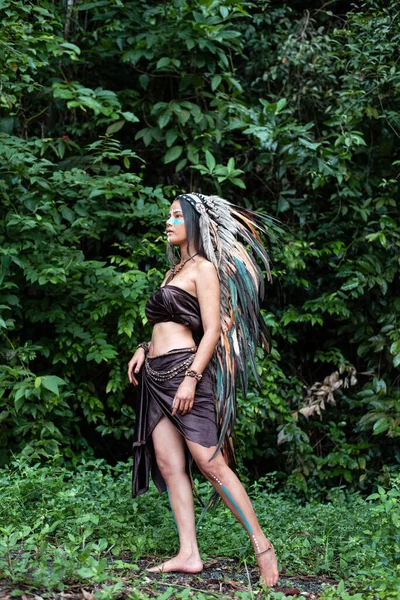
x=280 y=104
x=170 y=137
x=373 y=497
x=210 y=160
x=381 y=425
x=114 y=127
x=173 y=154
x=164 y=119
x=216 y=80
x=20 y=393
x=231 y=164
x=395 y=347
x=52 y=383
x=70 y=46
x=238 y=182
x=180 y=165
x=350 y=284
x=144 y=80
x=283 y=204
x=340 y=588
x=224 y=12
x=19 y=401
x=130 y=116
x=163 y=62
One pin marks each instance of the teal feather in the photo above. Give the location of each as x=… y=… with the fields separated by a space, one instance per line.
x=241 y=291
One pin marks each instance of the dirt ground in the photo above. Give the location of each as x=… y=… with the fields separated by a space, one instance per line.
x=220 y=577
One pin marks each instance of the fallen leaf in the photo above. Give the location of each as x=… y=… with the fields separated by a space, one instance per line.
x=288 y=591
x=235 y=584
x=210 y=564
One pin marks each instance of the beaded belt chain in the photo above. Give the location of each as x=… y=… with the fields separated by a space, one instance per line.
x=165 y=375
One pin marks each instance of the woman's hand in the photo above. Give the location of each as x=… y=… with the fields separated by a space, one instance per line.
x=184 y=397
x=135 y=364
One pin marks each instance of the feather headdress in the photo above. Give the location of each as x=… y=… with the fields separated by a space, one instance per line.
x=225 y=230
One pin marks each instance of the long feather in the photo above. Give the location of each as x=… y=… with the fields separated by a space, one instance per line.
x=227 y=230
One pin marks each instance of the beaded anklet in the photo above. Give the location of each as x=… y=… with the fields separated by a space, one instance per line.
x=263 y=552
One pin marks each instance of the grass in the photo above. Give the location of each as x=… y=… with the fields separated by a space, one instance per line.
x=60 y=526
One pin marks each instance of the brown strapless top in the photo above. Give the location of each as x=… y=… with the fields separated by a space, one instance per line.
x=172 y=303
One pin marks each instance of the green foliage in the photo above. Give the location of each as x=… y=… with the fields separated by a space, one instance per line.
x=107 y=110
x=59 y=525
x=82 y=311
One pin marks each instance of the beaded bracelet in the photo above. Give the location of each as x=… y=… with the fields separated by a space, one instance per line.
x=144 y=345
x=192 y=373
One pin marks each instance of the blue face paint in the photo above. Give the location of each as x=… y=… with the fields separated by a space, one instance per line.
x=173 y=221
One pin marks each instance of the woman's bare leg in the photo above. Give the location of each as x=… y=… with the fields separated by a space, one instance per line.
x=232 y=492
x=169 y=447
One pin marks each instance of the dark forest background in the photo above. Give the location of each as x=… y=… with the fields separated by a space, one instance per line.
x=108 y=109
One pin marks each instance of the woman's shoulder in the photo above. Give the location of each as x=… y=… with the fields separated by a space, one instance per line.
x=206 y=272
x=205 y=266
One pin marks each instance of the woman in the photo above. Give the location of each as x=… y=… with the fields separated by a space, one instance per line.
x=205 y=327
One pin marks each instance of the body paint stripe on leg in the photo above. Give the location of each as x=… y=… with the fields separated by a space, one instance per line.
x=247 y=524
x=249 y=529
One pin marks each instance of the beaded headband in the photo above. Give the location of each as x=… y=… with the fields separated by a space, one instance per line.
x=196 y=200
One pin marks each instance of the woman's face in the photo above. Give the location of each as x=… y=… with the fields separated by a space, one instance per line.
x=176 y=230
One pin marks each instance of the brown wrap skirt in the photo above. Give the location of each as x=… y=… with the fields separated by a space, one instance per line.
x=155 y=402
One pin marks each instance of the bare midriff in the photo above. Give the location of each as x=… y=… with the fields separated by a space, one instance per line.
x=170 y=336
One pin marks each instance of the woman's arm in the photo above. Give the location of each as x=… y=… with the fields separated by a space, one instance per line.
x=208 y=294
x=137 y=360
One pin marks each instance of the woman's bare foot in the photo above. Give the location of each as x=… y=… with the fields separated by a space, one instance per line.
x=267 y=564
x=184 y=563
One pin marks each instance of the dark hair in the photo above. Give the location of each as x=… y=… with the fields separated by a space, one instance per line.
x=192 y=225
